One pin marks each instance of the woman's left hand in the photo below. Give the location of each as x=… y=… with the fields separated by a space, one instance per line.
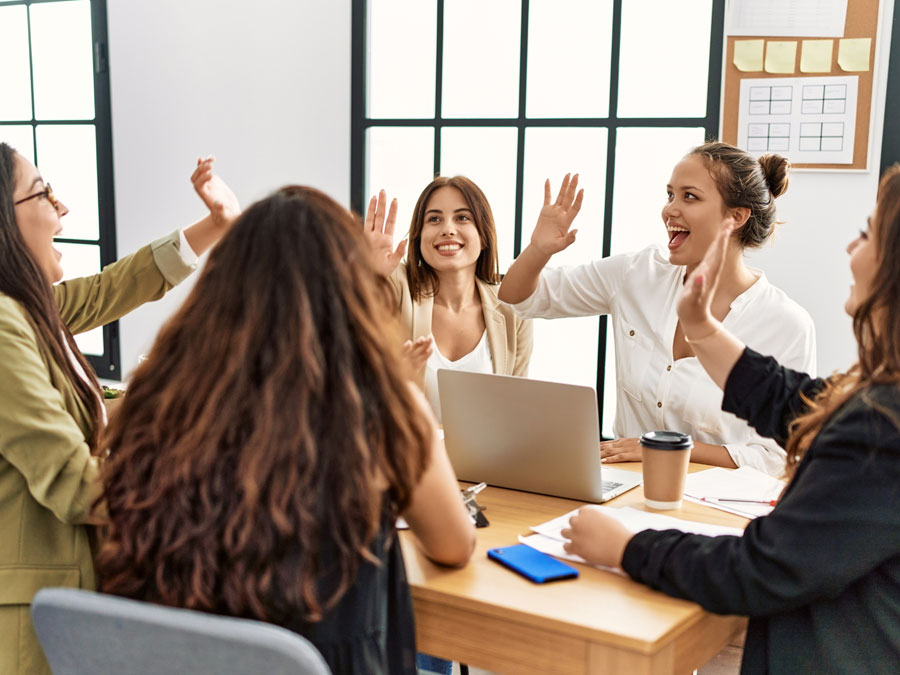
x=596 y=537
x=621 y=450
x=222 y=203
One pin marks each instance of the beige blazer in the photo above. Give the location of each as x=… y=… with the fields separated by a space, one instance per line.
x=510 y=338
x=48 y=478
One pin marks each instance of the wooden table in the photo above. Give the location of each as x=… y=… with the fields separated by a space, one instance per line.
x=487 y=616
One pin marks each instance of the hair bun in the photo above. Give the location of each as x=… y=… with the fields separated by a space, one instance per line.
x=775 y=170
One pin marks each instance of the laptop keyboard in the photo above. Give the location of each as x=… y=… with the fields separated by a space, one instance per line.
x=610 y=485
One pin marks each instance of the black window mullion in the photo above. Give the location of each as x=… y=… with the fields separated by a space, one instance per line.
x=438 y=87
x=521 y=123
x=716 y=42
x=358 y=86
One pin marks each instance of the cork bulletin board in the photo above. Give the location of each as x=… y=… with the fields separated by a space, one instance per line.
x=861 y=22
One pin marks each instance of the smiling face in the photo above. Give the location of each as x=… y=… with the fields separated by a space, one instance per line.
x=694 y=212
x=450 y=240
x=38 y=219
x=863 y=265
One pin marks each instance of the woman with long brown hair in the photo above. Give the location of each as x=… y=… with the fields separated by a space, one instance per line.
x=446 y=291
x=819 y=577
x=271 y=439
x=51 y=413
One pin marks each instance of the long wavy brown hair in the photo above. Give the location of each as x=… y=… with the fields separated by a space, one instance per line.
x=876 y=324
x=21 y=279
x=422 y=278
x=273 y=417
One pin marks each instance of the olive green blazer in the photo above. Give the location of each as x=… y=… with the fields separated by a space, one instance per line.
x=510 y=337
x=48 y=478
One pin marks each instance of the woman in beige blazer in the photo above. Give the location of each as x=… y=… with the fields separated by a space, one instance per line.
x=51 y=413
x=447 y=289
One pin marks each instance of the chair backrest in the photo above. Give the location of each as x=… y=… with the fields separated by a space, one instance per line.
x=86 y=632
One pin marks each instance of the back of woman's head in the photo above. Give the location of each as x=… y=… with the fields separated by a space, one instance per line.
x=267 y=423
x=423 y=280
x=745 y=182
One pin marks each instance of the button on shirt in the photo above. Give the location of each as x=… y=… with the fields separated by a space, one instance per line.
x=640 y=292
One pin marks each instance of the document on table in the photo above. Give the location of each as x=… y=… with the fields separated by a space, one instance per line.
x=810 y=120
x=705 y=487
x=786 y=18
x=547 y=537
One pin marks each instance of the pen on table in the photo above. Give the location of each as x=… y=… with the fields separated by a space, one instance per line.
x=769 y=502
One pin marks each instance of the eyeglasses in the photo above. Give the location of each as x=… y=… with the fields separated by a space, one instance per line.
x=47 y=193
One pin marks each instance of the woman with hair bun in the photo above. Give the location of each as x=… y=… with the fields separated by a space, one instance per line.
x=660 y=383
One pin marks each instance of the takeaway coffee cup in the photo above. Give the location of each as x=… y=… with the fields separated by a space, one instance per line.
x=666 y=455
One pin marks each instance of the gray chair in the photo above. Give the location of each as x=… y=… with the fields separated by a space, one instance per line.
x=86 y=632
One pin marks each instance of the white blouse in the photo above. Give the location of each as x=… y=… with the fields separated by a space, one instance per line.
x=640 y=292
x=476 y=361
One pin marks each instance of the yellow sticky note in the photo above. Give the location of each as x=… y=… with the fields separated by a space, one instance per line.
x=781 y=56
x=748 y=55
x=815 y=56
x=853 y=54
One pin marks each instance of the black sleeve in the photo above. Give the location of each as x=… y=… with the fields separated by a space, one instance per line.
x=767 y=394
x=839 y=520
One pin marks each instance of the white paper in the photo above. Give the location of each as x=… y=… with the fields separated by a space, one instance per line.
x=809 y=120
x=705 y=487
x=786 y=18
x=548 y=536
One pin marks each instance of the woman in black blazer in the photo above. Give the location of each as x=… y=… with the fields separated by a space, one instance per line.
x=820 y=576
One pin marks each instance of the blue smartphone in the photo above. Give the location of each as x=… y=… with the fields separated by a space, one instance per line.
x=532 y=564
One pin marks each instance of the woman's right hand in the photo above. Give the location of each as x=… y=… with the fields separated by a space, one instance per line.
x=418 y=351
x=552 y=234
x=379 y=233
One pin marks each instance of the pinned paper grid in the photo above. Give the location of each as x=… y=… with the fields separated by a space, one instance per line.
x=828 y=99
x=853 y=54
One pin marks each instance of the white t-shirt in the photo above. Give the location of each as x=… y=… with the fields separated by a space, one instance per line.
x=476 y=361
x=640 y=292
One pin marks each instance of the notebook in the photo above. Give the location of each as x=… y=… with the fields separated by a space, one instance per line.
x=527 y=435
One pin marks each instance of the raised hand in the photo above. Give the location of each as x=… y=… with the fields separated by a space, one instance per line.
x=222 y=203
x=694 y=305
x=418 y=352
x=379 y=233
x=552 y=234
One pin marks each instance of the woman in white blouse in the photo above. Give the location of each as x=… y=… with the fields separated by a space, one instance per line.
x=447 y=289
x=661 y=385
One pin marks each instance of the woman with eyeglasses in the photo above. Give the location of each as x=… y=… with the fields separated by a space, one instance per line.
x=51 y=412
x=819 y=576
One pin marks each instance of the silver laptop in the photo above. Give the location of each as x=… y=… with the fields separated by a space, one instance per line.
x=527 y=435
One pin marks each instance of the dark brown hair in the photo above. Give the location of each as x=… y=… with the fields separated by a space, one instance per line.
x=271 y=417
x=876 y=324
x=22 y=279
x=423 y=280
x=745 y=182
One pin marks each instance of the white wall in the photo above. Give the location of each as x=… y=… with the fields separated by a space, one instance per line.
x=823 y=212
x=263 y=85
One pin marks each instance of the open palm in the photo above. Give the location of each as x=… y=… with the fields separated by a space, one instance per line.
x=379 y=233
x=552 y=233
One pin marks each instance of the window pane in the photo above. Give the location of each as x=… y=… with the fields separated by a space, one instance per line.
x=565 y=350
x=551 y=153
x=402 y=48
x=20 y=137
x=487 y=155
x=15 y=75
x=569 y=52
x=67 y=158
x=481 y=58
x=61 y=51
x=664 y=58
x=644 y=162
x=401 y=160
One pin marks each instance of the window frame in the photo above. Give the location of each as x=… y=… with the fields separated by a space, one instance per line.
x=107 y=365
x=360 y=123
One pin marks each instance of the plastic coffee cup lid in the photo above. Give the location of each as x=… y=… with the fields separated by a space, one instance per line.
x=666 y=440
